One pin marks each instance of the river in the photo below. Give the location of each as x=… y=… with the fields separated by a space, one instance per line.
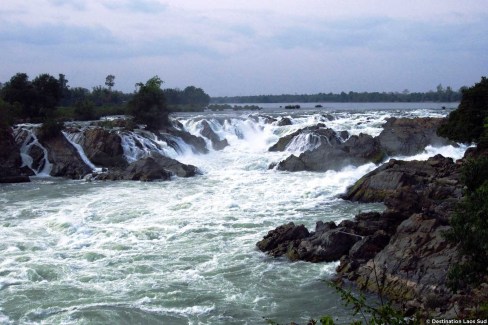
x=183 y=251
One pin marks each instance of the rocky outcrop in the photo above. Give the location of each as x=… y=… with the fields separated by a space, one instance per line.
x=406 y=137
x=386 y=180
x=318 y=130
x=400 y=136
x=283 y=121
x=150 y=169
x=335 y=154
x=10 y=160
x=197 y=144
x=103 y=147
x=65 y=160
x=401 y=250
x=208 y=132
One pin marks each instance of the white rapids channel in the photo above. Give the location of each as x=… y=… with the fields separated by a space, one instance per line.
x=183 y=251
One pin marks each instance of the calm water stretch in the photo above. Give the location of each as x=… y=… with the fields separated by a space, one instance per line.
x=183 y=252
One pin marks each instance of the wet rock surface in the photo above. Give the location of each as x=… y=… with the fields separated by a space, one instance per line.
x=65 y=159
x=400 y=137
x=103 y=147
x=403 y=246
x=10 y=160
x=406 y=137
x=207 y=132
x=150 y=169
x=334 y=154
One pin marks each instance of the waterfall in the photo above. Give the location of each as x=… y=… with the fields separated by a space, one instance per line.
x=29 y=142
x=75 y=139
x=304 y=142
x=140 y=144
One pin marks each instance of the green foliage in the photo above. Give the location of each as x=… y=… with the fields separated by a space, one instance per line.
x=47 y=94
x=466 y=124
x=469 y=227
x=384 y=313
x=50 y=129
x=85 y=111
x=148 y=106
x=110 y=81
x=8 y=114
x=190 y=99
x=37 y=99
x=474 y=173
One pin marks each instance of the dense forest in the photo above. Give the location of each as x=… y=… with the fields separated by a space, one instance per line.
x=441 y=94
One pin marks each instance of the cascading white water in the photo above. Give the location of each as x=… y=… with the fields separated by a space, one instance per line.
x=140 y=144
x=304 y=142
x=27 y=132
x=75 y=139
x=178 y=252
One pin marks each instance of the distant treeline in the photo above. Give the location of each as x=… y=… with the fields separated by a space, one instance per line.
x=441 y=94
x=48 y=97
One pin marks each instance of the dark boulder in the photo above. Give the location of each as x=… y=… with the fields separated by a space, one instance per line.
x=151 y=169
x=406 y=137
x=197 y=144
x=103 y=147
x=335 y=154
x=10 y=160
x=284 y=121
x=319 y=131
x=208 y=132
x=278 y=241
x=325 y=246
x=65 y=159
x=411 y=186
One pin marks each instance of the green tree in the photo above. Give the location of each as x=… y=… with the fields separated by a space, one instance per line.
x=110 y=81
x=85 y=110
x=19 y=90
x=47 y=93
x=195 y=96
x=148 y=106
x=466 y=124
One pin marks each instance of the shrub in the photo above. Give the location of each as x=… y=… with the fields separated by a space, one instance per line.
x=470 y=227
x=148 y=106
x=466 y=124
x=50 y=129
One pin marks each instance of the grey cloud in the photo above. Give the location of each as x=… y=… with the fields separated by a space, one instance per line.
x=75 y=4
x=141 y=6
x=384 y=34
x=54 y=34
x=95 y=43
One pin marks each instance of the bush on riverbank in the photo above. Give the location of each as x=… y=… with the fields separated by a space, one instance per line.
x=466 y=124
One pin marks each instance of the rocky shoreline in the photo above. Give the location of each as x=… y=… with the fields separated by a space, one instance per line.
x=403 y=246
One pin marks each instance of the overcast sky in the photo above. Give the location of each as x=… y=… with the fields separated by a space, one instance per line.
x=249 y=47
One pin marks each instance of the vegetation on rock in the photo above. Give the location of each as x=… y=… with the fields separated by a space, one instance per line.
x=470 y=228
x=148 y=106
x=466 y=124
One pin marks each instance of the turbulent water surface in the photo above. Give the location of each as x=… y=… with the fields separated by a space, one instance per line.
x=182 y=252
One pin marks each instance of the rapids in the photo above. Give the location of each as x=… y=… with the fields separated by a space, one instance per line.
x=183 y=251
